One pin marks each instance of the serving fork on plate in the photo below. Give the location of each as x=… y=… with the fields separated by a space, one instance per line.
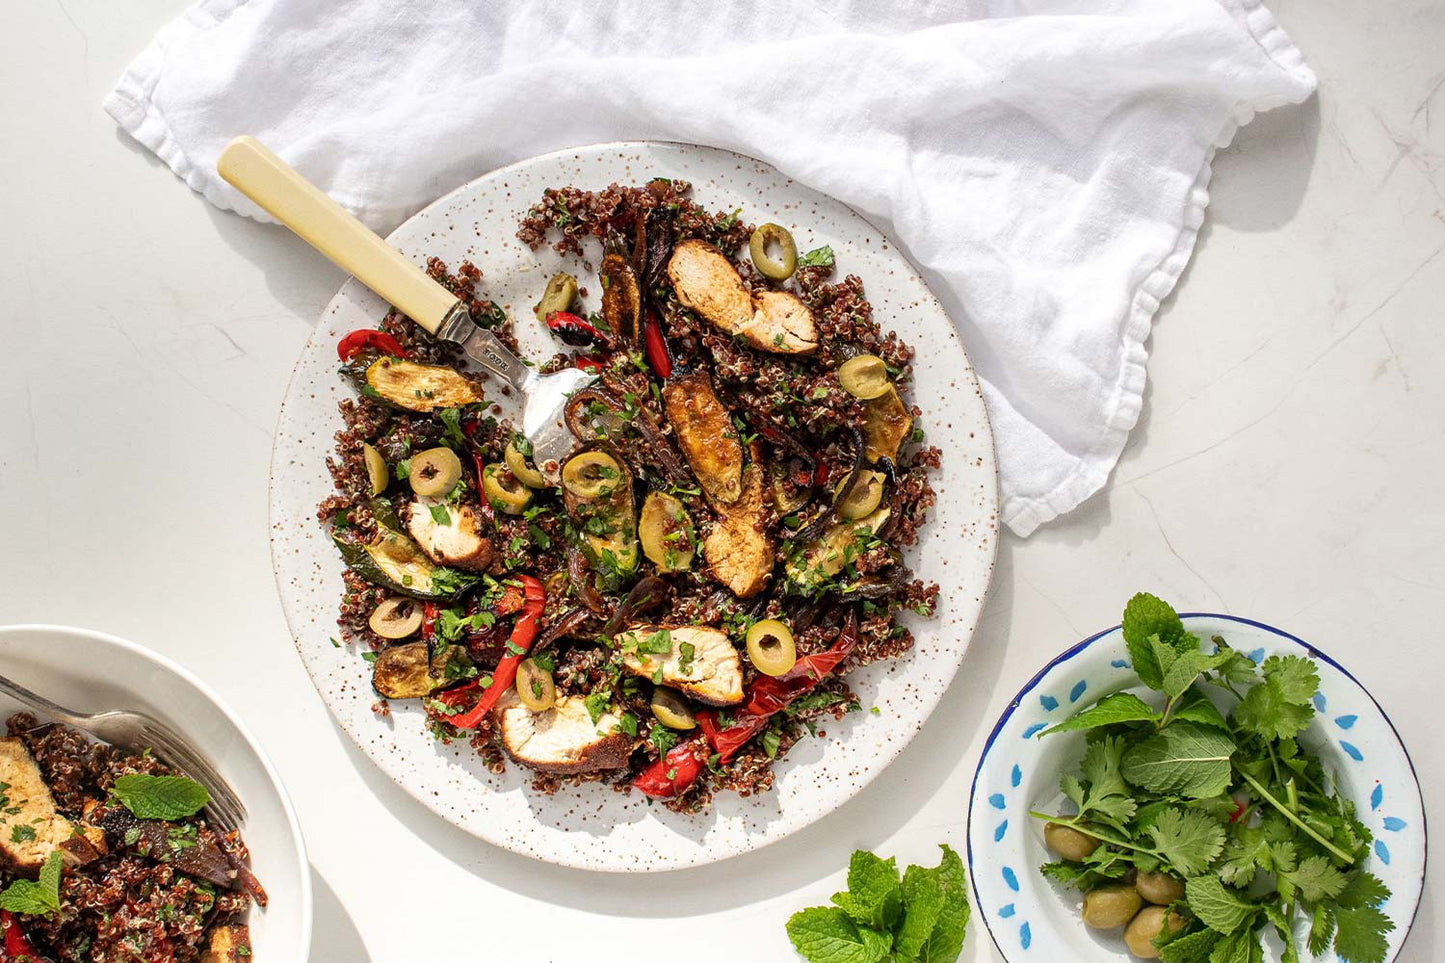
x=137 y=732
x=254 y=170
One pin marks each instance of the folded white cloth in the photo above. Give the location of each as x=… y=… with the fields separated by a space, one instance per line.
x=1045 y=160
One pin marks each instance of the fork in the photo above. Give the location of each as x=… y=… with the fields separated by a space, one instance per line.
x=136 y=732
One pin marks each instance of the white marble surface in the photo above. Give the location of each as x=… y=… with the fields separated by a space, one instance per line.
x=1288 y=467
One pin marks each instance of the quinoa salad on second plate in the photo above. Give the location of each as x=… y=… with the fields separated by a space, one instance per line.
x=720 y=549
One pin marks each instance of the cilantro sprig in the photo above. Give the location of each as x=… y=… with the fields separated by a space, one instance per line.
x=882 y=917
x=1230 y=801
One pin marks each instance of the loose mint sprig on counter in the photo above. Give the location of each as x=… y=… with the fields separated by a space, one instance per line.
x=920 y=918
x=1232 y=804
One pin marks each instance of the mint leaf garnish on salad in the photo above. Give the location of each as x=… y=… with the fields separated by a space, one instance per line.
x=1200 y=822
x=161 y=797
x=920 y=918
x=35 y=898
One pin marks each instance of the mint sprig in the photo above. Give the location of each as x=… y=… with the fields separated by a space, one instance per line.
x=161 y=797
x=920 y=918
x=35 y=898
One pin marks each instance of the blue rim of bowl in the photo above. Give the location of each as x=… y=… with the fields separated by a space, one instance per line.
x=1079 y=647
x=307 y=903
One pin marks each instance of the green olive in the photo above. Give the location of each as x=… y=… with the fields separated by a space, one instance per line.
x=396 y=618
x=517 y=461
x=561 y=291
x=777 y=268
x=1111 y=906
x=1160 y=888
x=435 y=471
x=535 y=686
x=504 y=491
x=864 y=497
x=1147 y=927
x=376 y=471
x=770 y=647
x=666 y=532
x=1068 y=842
x=671 y=709
x=864 y=376
x=592 y=474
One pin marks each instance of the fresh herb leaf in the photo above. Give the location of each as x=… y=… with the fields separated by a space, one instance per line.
x=825 y=934
x=161 y=797
x=1187 y=839
x=1147 y=617
x=817 y=257
x=597 y=703
x=1111 y=710
x=36 y=898
x=1186 y=759
x=1221 y=909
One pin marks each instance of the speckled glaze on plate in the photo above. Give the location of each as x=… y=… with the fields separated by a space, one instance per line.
x=593 y=827
x=1031 y=918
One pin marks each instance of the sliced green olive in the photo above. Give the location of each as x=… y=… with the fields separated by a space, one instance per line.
x=666 y=532
x=592 y=474
x=770 y=647
x=864 y=497
x=376 y=471
x=785 y=263
x=504 y=491
x=864 y=376
x=435 y=471
x=671 y=709
x=396 y=618
x=517 y=461
x=561 y=291
x=535 y=686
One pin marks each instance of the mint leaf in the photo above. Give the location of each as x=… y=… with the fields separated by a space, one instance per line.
x=161 y=797
x=1117 y=708
x=945 y=943
x=1194 y=948
x=825 y=934
x=923 y=901
x=1242 y=947
x=874 y=897
x=1184 y=759
x=1188 y=839
x=35 y=898
x=1218 y=908
x=1147 y=616
x=1196 y=707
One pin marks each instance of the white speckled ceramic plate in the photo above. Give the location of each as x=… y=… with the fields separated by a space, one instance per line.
x=1031 y=918
x=591 y=826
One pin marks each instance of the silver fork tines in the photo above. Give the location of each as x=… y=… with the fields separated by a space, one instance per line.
x=136 y=732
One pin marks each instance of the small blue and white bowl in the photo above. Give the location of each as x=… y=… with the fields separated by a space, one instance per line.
x=1031 y=919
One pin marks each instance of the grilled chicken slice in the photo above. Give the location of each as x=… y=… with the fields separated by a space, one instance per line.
x=710 y=672
x=706 y=281
x=457 y=542
x=564 y=739
x=229 y=944
x=738 y=549
x=706 y=435
x=29 y=805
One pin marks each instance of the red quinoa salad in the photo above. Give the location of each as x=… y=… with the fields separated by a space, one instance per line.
x=105 y=857
x=722 y=547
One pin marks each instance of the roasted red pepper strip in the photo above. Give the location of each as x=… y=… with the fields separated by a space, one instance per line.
x=673 y=773
x=429 y=611
x=727 y=742
x=654 y=346
x=524 y=633
x=17 y=946
x=587 y=363
x=366 y=340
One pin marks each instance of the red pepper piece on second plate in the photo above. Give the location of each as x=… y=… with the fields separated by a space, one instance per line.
x=378 y=342
x=672 y=774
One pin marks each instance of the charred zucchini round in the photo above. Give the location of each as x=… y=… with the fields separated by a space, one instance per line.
x=535 y=686
x=777 y=267
x=435 y=472
x=864 y=376
x=671 y=709
x=395 y=618
x=770 y=647
x=504 y=491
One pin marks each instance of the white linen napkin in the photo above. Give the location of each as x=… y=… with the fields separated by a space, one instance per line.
x=1045 y=161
